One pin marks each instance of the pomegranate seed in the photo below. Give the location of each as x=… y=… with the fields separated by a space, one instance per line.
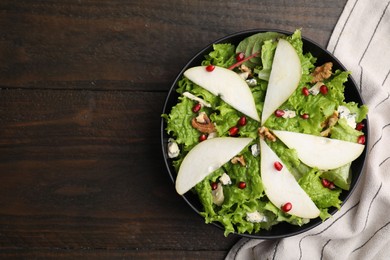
x=242 y=185
x=233 y=131
x=305 y=91
x=214 y=185
x=240 y=56
x=278 y=166
x=360 y=126
x=196 y=108
x=325 y=183
x=210 y=68
x=242 y=121
x=287 y=207
x=361 y=139
x=279 y=113
x=324 y=90
x=305 y=116
x=202 y=137
x=331 y=186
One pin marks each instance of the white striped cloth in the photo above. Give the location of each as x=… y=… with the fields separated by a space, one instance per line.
x=361 y=229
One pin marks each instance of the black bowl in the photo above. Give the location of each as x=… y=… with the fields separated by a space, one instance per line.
x=280 y=230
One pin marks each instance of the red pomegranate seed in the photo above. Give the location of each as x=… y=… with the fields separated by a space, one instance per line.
x=210 y=68
x=240 y=56
x=361 y=139
x=331 y=186
x=202 y=137
x=196 y=107
x=287 y=207
x=279 y=113
x=242 y=121
x=233 y=131
x=305 y=116
x=325 y=183
x=360 y=126
x=242 y=185
x=324 y=90
x=214 y=185
x=278 y=166
x=305 y=91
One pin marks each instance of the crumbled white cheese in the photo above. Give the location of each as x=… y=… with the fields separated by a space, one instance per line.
x=218 y=196
x=255 y=150
x=255 y=217
x=173 y=149
x=251 y=82
x=200 y=118
x=314 y=90
x=244 y=75
x=344 y=112
x=197 y=99
x=289 y=114
x=225 y=179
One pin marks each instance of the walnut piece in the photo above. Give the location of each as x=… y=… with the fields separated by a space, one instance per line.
x=238 y=159
x=329 y=123
x=265 y=133
x=204 y=124
x=322 y=72
x=245 y=68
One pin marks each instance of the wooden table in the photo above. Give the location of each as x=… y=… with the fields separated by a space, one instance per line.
x=82 y=86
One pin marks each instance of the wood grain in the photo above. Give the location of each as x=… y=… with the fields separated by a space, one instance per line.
x=82 y=86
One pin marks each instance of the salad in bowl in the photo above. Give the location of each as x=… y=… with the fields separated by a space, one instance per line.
x=264 y=134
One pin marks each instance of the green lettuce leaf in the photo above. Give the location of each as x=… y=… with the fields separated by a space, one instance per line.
x=254 y=44
x=179 y=123
x=324 y=198
x=223 y=55
x=341 y=177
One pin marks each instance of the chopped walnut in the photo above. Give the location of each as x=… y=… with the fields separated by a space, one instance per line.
x=247 y=75
x=329 y=123
x=265 y=133
x=238 y=159
x=322 y=72
x=203 y=124
x=244 y=68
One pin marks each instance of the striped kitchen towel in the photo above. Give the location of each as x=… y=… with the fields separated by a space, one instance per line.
x=361 y=229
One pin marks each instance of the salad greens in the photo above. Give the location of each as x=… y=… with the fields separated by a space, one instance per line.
x=233 y=212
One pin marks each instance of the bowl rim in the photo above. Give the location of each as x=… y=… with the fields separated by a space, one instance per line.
x=314 y=222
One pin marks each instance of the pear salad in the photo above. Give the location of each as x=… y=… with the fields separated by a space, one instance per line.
x=263 y=135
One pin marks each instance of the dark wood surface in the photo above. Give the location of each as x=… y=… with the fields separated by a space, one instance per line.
x=82 y=86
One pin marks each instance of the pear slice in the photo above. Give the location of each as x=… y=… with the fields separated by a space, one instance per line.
x=281 y=186
x=321 y=152
x=228 y=85
x=205 y=158
x=285 y=75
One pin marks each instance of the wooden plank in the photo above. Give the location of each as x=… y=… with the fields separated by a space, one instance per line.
x=133 y=45
x=85 y=169
x=112 y=254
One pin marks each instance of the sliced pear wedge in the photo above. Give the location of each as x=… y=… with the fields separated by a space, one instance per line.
x=205 y=158
x=321 y=152
x=281 y=187
x=285 y=75
x=228 y=85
